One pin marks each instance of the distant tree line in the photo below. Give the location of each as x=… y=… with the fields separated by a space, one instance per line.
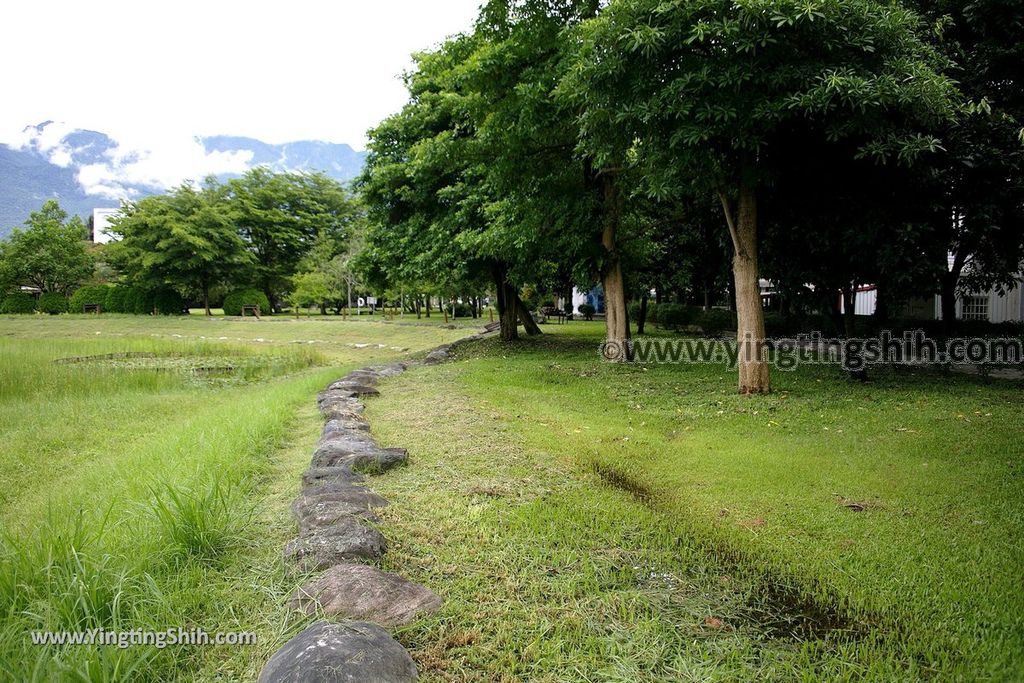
x=263 y=237
x=694 y=147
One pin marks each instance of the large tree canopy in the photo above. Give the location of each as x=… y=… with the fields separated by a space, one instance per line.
x=707 y=93
x=49 y=253
x=280 y=216
x=183 y=239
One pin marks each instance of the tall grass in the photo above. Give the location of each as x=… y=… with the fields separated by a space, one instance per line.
x=127 y=531
x=201 y=524
x=127 y=489
x=63 y=579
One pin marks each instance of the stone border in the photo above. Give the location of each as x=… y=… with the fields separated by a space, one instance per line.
x=336 y=536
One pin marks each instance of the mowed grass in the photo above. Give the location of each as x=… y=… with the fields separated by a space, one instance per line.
x=138 y=492
x=589 y=521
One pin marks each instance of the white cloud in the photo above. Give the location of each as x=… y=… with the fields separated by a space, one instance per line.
x=48 y=142
x=168 y=165
x=148 y=72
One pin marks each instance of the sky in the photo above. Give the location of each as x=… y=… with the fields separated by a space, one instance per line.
x=154 y=75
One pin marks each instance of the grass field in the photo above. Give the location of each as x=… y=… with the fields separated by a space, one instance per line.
x=589 y=521
x=583 y=521
x=134 y=479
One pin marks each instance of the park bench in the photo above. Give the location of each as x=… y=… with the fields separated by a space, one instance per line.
x=252 y=310
x=91 y=308
x=553 y=312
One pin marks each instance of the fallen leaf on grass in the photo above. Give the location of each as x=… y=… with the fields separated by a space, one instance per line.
x=714 y=622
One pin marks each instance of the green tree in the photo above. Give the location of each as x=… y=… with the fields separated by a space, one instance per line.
x=975 y=190
x=311 y=289
x=49 y=253
x=183 y=239
x=426 y=192
x=706 y=93
x=280 y=216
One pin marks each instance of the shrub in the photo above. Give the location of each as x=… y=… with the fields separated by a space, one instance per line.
x=53 y=303
x=93 y=294
x=166 y=301
x=716 y=321
x=137 y=301
x=587 y=311
x=532 y=302
x=674 y=316
x=117 y=299
x=234 y=301
x=463 y=311
x=18 y=302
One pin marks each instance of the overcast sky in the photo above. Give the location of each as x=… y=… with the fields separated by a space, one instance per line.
x=153 y=74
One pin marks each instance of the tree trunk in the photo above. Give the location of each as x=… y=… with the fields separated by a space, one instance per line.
x=615 y=316
x=641 y=321
x=950 y=280
x=753 y=369
x=206 y=300
x=881 y=311
x=529 y=324
x=507 y=312
x=426 y=301
x=850 y=310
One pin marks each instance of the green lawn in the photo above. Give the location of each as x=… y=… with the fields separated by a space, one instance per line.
x=134 y=490
x=588 y=521
x=583 y=521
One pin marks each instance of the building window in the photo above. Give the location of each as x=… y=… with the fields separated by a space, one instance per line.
x=974 y=308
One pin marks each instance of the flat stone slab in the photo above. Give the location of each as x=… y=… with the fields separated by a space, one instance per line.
x=345 y=541
x=355 y=441
x=349 y=409
x=318 y=476
x=344 y=425
x=339 y=396
x=353 y=388
x=390 y=370
x=376 y=460
x=358 y=496
x=357 y=591
x=351 y=652
x=319 y=514
x=438 y=355
x=364 y=376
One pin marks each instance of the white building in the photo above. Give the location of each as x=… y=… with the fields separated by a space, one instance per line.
x=991 y=305
x=101 y=225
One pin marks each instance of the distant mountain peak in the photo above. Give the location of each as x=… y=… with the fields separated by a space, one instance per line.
x=85 y=169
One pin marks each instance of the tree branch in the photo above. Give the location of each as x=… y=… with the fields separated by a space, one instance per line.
x=727 y=208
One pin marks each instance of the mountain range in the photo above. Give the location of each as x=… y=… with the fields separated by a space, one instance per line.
x=85 y=169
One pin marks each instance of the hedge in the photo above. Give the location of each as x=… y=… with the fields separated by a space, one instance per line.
x=128 y=299
x=53 y=303
x=90 y=294
x=234 y=301
x=165 y=302
x=116 y=301
x=675 y=316
x=18 y=302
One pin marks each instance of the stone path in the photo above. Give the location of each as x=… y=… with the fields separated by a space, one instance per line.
x=335 y=517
